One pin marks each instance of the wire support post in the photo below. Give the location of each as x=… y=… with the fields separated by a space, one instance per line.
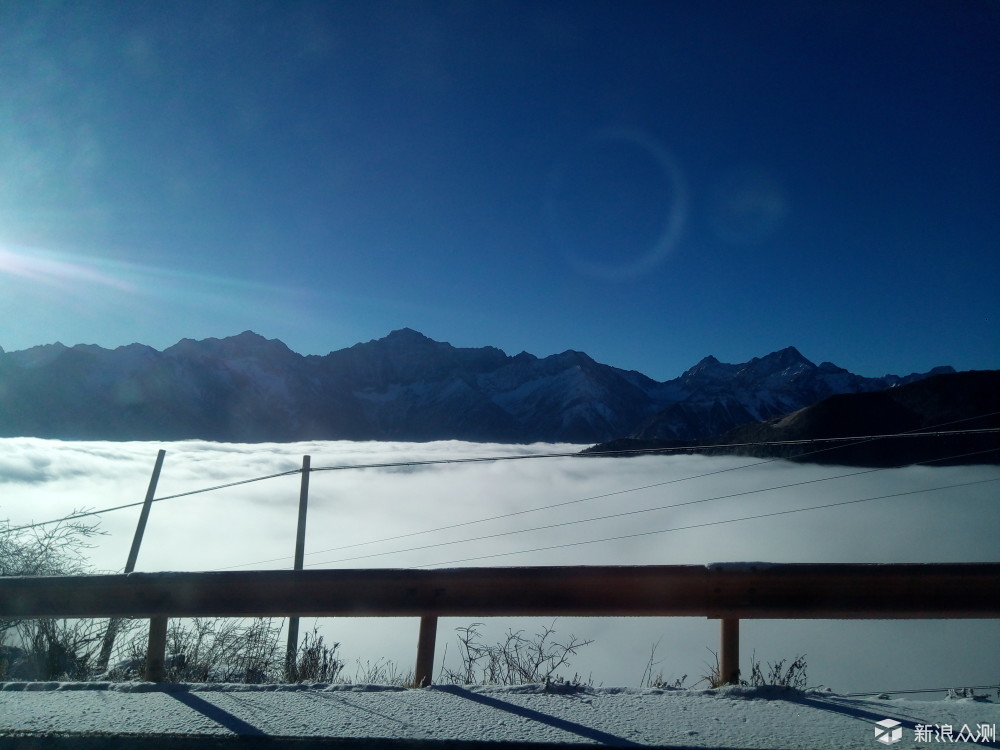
x=114 y=624
x=291 y=671
x=140 y=528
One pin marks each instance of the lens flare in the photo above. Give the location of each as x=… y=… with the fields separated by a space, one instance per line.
x=84 y=275
x=56 y=269
x=617 y=208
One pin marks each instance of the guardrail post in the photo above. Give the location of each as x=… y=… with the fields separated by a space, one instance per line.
x=729 y=660
x=157 y=649
x=425 y=651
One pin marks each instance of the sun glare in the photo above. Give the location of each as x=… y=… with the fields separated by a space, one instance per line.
x=55 y=269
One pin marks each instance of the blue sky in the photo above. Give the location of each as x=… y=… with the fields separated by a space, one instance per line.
x=647 y=182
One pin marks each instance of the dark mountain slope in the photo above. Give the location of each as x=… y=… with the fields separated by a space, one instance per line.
x=717 y=397
x=949 y=402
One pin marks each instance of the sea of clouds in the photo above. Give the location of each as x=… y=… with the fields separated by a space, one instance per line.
x=543 y=511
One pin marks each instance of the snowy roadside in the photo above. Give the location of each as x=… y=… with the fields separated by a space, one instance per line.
x=731 y=717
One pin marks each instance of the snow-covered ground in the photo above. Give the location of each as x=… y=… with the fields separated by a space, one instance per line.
x=731 y=717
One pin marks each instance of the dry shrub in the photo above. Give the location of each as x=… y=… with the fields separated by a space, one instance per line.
x=516 y=660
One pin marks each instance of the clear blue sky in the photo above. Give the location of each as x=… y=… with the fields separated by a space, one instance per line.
x=649 y=182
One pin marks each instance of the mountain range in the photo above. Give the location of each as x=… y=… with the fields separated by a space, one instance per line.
x=405 y=386
x=943 y=419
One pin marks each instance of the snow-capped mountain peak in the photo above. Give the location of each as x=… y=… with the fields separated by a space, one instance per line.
x=404 y=386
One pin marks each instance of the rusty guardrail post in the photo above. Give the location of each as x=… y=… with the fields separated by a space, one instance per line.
x=729 y=657
x=156 y=651
x=425 y=651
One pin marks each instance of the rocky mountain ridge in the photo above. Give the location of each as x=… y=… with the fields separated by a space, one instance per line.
x=405 y=386
x=945 y=419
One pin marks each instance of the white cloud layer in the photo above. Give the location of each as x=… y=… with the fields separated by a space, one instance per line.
x=355 y=513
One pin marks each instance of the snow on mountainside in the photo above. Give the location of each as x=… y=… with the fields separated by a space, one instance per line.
x=404 y=386
x=716 y=397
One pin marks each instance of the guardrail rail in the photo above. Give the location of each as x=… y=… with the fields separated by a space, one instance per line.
x=725 y=591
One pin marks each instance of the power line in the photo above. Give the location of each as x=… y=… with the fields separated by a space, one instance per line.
x=918 y=432
x=507 y=515
x=675 y=449
x=710 y=523
x=859 y=439
x=85 y=514
x=591 y=520
x=567 y=503
x=612 y=515
x=536 y=509
x=484 y=459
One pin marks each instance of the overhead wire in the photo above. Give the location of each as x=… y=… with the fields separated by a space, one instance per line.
x=483 y=459
x=710 y=523
x=860 y=440
x=588 y=520
x=527 y=510
x=85 y=514
x=501 y=516
x=622 y=514
x=917 y=432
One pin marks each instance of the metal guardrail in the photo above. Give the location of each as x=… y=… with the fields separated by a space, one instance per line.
x=726 y=591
